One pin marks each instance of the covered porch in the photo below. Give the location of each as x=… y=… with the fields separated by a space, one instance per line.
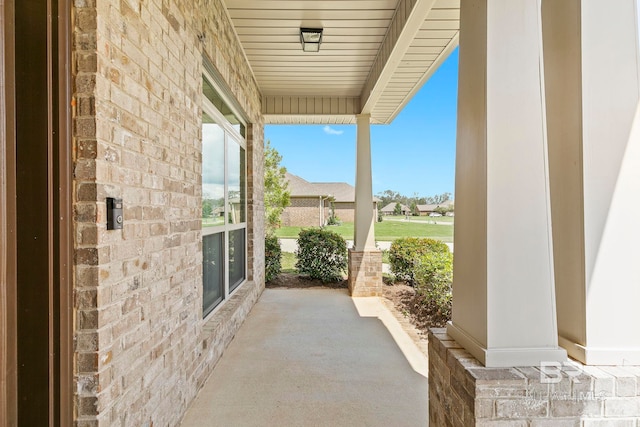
x=110 y=103
x=547 y=153
x=316 y=357
x=371 y=59
x=546 y=177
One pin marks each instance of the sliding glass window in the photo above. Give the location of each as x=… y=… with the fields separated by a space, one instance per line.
x=224 y=209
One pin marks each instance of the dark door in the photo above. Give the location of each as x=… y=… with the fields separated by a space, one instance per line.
x=33 y=208
x=37 y=156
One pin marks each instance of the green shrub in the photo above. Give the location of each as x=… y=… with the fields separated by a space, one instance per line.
x=405 y=254
x=388 y=279
x=322 y=254
x=272 y=257
x=333 y=220
x=433 y=276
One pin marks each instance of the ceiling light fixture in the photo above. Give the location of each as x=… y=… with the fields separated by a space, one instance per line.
x=311 y=39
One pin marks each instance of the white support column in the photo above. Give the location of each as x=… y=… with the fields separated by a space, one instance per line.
x=364 y=238
x=591 y=67
x=365 y=261
x=503 y=290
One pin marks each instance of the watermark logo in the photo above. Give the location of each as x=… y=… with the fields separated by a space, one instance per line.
x=534 y=395
x=551 y=372
x=571 y=373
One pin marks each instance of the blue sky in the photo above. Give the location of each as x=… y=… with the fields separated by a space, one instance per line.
x=414 y=154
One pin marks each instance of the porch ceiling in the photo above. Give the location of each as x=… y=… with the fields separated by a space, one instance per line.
x=375 y=54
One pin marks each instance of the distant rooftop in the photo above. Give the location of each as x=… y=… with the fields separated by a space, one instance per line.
x=340 y=191
x=392 y=207
x=431 y=208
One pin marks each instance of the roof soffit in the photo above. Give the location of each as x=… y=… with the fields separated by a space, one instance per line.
x=375 y=54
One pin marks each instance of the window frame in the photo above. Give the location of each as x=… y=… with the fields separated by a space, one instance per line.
x=231 y=136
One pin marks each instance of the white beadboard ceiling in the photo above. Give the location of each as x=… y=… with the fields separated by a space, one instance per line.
x=375 y=54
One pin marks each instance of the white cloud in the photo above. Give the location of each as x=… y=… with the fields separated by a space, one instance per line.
x=330 y=131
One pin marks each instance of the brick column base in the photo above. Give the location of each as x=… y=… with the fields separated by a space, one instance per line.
x=462 y=392
x=365 y=273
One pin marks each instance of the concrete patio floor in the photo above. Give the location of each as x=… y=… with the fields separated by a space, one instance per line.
x=316 y=357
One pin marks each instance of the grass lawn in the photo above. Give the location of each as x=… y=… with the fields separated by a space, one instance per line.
x=385 y=230
x=288 y=262
x=391 y=230
x=212 y=222
x=448 y=219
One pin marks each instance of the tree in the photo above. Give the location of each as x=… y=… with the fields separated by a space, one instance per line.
x=439 y=198
x=389 y=196
x=276 y=192
x=414 y=208
x=397 y=210
x=333 y=219
x=443 y=210
x=207 y=208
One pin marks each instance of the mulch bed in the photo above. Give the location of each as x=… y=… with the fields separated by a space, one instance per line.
x=292 y=280
x=406 y=301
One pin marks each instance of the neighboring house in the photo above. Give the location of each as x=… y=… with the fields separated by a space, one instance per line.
x=391 y=207
x=429 y=209
x=311 y=202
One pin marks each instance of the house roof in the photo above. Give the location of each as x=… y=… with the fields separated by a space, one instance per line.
x=426 y=208
x=392 y=206
x=340 y=191
x=375 y=55
x=433 y=207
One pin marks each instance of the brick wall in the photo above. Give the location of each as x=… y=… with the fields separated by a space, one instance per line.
x=464 y=393
x=255 y=202
x=365 y=273
x=142 y=349
x=345 y=211
x=303 y=212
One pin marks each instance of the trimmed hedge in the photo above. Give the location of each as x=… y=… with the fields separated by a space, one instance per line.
x=405 y=255
x=272 y=257
x=434 y=277
x=322 y=254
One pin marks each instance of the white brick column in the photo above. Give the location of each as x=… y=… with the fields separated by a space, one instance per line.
x=591 y=69
x=365 y=261
x=503 y=290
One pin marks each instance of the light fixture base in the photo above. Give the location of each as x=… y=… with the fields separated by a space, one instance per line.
x=311 y=38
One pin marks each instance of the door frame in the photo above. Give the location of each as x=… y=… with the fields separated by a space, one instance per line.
x=64 y=241
x=8 y=342
x=8 y=297
x=60 y=217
